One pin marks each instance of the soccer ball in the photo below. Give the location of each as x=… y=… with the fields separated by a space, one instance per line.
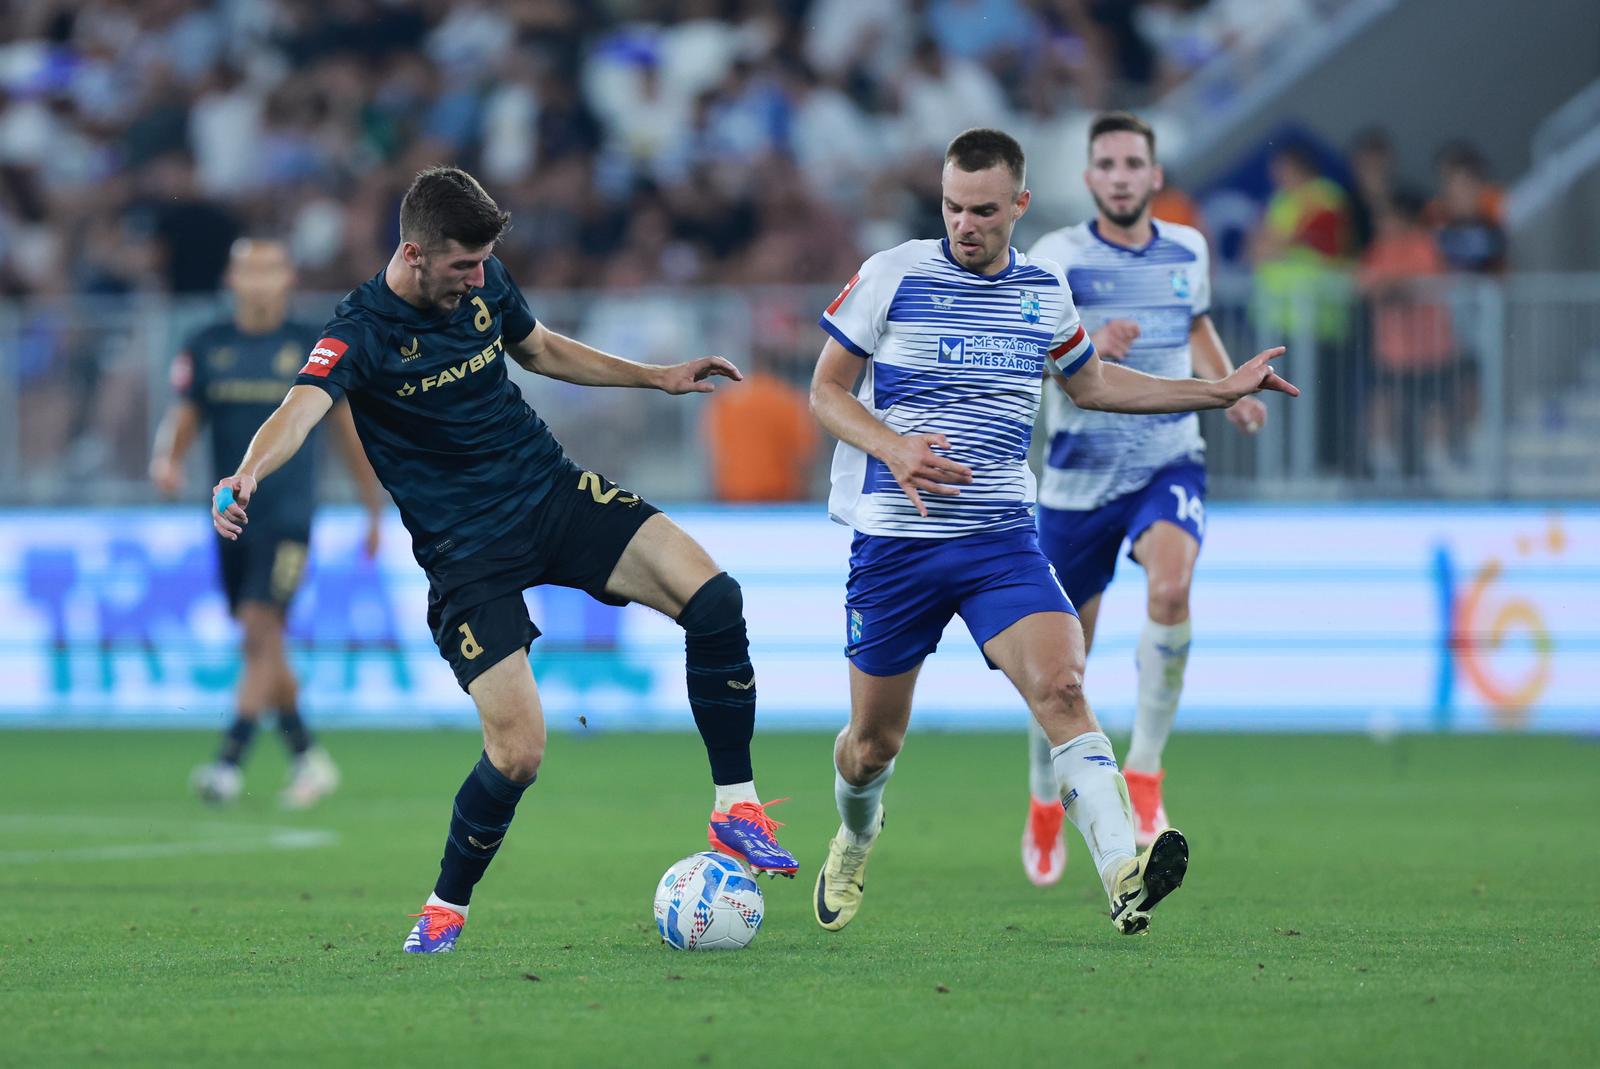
x=708 y=901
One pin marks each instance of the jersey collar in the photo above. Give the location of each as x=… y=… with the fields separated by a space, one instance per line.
x=944 y=247
x=1155 y=236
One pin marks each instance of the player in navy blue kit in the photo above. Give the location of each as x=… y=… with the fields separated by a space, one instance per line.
x=494 y=507
x=950 y=341
x=230 y=376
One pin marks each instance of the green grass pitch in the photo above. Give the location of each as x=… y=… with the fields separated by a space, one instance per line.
x=1430 y=901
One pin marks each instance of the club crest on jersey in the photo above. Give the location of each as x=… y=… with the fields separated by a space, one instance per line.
x=1029 y=306
x=1180 y=285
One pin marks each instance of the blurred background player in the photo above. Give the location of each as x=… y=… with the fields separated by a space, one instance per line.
x=932 y=473
x=232 y=375
x=1143 y=287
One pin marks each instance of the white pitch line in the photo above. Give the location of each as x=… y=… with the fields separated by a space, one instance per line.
x=270 y=839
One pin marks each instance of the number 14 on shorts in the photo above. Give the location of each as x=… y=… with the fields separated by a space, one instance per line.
x=1190 y=508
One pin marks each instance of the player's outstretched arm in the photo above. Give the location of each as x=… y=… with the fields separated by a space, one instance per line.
x=1211 y=362
x=279 y=438
x=361 y=473
x=1113 y=388
x=909 y=457
x=174 y=436
x=556 y=356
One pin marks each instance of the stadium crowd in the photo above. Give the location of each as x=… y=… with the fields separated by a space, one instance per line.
x=679 y=141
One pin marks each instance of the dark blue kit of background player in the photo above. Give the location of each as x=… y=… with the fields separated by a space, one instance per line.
x=492 y=503
x=236 y=380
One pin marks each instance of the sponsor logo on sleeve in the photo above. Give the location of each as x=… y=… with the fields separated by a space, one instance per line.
x=848 y=286
x=325 y=357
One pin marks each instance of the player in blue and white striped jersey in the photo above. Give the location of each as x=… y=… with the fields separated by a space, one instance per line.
x=950 y=340
x=1144 y=287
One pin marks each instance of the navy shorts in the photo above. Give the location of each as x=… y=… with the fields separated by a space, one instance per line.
x=573 y=538
x=903 y=591
x=265 y=565
x=1083 y=543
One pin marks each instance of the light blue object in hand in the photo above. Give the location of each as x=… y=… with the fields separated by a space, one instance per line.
x=224 y=499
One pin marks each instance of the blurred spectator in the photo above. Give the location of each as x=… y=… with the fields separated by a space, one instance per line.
x=1372 y=166
x=1468 y=213
x=1175 y=206
x=761 y=439
x=1301 y=250
x=1413 y=397
x=991 y=31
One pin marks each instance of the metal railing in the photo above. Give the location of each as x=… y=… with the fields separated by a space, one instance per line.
x=1466 y=388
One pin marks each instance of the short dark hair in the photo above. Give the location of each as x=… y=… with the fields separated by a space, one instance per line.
x=981 y=148
x=447 y=204
x=1122 y=122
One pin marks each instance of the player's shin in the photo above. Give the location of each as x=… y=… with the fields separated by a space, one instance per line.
x=479 y=820
x=1041 y=768
x=859 y=805
x=1163 y=655
x=1096 y=800
x=722 y=685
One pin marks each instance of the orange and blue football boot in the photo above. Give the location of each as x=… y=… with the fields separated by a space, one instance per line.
x=746 y=832
x=436 y=932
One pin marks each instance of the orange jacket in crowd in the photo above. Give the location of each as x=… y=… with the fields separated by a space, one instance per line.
x=762 y=439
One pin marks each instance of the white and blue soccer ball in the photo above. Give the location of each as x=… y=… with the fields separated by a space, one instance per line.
x=708 y=901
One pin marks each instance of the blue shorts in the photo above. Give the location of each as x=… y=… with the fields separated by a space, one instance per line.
x=903 y=591
x=1083 y=543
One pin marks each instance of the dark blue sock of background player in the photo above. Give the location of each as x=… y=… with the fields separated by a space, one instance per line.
x=236 y=741
x=482 y=814
x=722 y=685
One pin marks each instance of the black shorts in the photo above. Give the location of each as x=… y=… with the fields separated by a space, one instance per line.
x=573 y=538
x=264 y=565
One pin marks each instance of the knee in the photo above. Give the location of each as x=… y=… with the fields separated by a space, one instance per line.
x=867 y=754
x=716 y=607
x=1062 y=691
x=518 y=761
x=1168 y=601
x=517 y=755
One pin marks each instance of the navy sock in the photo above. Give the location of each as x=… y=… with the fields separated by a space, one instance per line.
x=484 y=806
x=722 y=685
x=296 y=735
x=236 y=740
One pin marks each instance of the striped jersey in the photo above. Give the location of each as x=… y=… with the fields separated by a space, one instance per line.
x=1095 y=457
x=951 y=352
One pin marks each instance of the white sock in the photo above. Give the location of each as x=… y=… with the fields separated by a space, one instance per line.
x=732 y=793
x=1096 y=799
x=1041 y=770
x=858 y=806
x=435 y=900
x=1163 y=655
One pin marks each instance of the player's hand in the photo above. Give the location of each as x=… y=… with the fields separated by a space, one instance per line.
x=916 y=467
x=167 y=476
x=1115 y=338
x=1248 y=414
x=230 y=524
x=1255 y=375
x=694 y=376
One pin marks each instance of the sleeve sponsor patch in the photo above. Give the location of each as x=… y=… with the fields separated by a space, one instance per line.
x=324 y=357
x=848 y=286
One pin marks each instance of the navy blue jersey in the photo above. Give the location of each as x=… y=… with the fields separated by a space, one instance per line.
x=237 y=380
x=447 y=431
